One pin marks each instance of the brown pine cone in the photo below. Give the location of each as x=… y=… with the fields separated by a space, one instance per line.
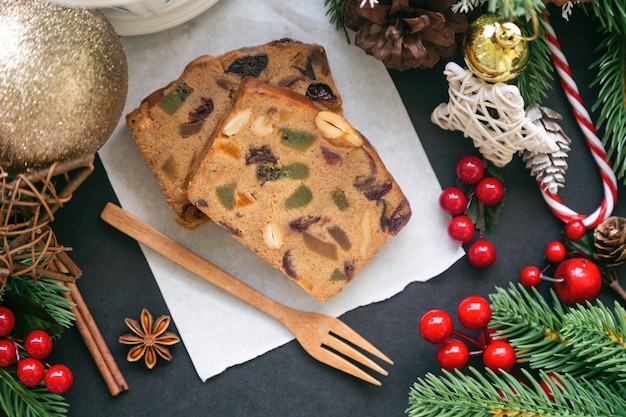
x=609 y=239
x=405 y=34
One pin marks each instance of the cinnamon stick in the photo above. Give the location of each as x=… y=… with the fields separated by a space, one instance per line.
x=90 y=333
x=96 y=340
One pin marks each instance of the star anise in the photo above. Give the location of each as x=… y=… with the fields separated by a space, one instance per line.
x=150 y=339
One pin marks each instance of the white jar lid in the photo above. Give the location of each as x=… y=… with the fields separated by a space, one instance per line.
x=140 y=17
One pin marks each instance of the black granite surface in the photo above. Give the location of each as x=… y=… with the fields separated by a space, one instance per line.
x=117 y=283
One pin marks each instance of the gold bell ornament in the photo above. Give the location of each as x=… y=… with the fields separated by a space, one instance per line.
x=495 y=49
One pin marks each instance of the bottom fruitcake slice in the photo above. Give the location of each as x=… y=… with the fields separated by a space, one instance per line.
x=299 y=186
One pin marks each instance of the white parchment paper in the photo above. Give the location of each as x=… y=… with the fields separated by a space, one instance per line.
x=217 y=329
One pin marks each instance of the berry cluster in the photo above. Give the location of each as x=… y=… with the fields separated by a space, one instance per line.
x=473 y=182
x=29 y=355
x=474 y=313
x=576 y=279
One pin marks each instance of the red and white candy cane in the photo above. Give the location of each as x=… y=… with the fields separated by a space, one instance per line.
x=590 y=133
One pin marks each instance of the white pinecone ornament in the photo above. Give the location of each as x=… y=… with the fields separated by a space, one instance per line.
x=548 y=168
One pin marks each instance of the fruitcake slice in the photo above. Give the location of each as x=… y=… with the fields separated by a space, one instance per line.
x=299 y=186
x=172 y=125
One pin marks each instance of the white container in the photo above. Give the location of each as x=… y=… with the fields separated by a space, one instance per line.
x=140 y=17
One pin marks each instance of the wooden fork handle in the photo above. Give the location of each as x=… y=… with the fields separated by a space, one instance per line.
x=177 y=253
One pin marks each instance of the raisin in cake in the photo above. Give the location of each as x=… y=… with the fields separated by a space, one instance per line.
x=172 y=125
x=299 y=186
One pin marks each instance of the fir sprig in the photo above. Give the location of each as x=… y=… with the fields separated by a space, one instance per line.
x=534 y=82
x=456 y=394
x=584 y=341
x=610 y=14
x=611 y=67
x=18 y=401
x=46 y=293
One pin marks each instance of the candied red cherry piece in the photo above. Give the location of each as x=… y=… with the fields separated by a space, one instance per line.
x=555 y=251
x=481 y=254
x=530 y=276
x=474 y=312
x=453 y=200
x=58 y=379
x=489 y=191
x=461 y=228
x=499 y=355
x=7 y=321
x=575 y=229
x=436 y=326
x=578 y=280
x=38 y=344
x=470 y=169
x=453 y=354
x=30 y=371
x=8 y=353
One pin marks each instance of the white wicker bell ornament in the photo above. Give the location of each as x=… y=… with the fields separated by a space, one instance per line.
x=492 y=115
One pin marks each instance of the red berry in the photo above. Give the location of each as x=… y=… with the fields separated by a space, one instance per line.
x=482 y=337
x=7 y=321
x=436 y=326
x=489 y=191
x=470 y=169
x=453 y=200
x=555 y=251
x=545 y=386
x=38 y=344
x=8 y=353
x=581 y=280
x=530 y=276
x=474 y=312
x=499 y=355
x=461 y=228
x=481 y=254
x=575 y=229
x=30 y=371
x=58 y=379
x=453 y=354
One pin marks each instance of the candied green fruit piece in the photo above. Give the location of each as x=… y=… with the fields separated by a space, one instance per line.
x=337 y=275
x=318 y=246
x=175 y=98
x=297 y=139
x=340 y=200
x=299 y=198
x=296 y=171
x=226 y=195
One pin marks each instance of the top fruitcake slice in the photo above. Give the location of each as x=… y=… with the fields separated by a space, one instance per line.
x=299 y=186
x=173 y=124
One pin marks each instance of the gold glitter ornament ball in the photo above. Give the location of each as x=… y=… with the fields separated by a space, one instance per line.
x=63 y=83
x=494 y=49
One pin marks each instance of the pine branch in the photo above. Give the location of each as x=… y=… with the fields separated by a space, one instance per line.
x=534 y=82
x=462 y=395
x=610 y=14
x=513 y=9
x=47 y=294
x=335 y=15
x=611 y=98
x=18 y=401
x=584 y=341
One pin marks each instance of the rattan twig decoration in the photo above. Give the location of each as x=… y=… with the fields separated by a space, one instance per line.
x=28 y=202
x=492 y=115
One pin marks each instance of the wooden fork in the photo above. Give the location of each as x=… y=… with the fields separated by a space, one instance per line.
x=322 y=336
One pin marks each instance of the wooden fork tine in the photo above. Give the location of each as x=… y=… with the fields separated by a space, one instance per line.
x=347 y=350
x=342 y=364
x=345 y=332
